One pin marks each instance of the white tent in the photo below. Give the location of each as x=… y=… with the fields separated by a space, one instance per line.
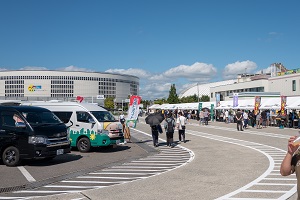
x=293 y=103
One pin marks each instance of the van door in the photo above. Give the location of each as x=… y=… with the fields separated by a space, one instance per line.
x=83 y=122
x=10 y=134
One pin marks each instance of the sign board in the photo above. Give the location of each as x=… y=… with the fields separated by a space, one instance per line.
x=127 y=100
x=100 y=96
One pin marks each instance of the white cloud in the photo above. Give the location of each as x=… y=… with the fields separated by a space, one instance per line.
x=33 y=68
x=131 y=71
x=157 y=85
x=195 y=71
x=232 y=70
x=74 y=68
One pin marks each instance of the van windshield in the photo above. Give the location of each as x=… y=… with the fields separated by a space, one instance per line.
x=41 y=118
x=104 y=116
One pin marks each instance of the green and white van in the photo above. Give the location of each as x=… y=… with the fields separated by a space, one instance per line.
x=91 y=125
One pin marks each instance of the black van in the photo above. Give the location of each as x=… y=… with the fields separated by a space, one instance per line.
x=29 y=132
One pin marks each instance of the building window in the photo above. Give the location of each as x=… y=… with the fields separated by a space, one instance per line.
x=294 y=85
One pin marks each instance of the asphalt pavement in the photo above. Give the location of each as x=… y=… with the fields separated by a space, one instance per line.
x=225 y=164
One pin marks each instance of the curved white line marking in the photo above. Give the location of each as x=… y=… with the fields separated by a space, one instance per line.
x=244 y=144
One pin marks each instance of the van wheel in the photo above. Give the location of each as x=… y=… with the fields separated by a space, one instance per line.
x=84 y=145
x=11 y=156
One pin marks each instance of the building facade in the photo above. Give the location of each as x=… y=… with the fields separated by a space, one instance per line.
x=280 y=81
x=284 y=84
x=66 y=85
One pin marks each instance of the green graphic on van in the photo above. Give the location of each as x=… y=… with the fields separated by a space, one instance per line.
x=84 y=132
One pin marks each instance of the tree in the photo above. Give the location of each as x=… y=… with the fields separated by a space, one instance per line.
x=173 y=98
x=109 y=102
x=189 y=99
x=159 y=101
x=205 y=98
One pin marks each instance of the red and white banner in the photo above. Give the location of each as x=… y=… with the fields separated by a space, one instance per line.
x=283 y=104
x=133 y=111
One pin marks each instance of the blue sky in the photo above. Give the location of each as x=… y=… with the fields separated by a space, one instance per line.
x=163 y=42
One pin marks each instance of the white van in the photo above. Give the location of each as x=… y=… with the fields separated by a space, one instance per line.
x=92 y=125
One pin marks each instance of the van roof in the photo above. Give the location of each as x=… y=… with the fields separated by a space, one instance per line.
x=65 y=105
x=24 y=108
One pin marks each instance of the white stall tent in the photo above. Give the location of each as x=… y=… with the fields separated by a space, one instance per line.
x=273 y=103
x=293 y=103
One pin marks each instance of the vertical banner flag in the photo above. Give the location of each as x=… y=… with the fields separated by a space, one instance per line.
x=217 y=99
x=283 y=104
x=199 y=107
x=134 y=106
x=212 y=112
x=257 y=104
x=235 y=99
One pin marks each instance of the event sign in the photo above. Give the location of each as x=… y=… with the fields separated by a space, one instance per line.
x=235 y=99
x=257 y=104
x=133 y=112
x=212 y=112
x=218 y=99
x=199 y=107
x=283 y=104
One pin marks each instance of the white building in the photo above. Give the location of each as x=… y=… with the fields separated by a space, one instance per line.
x=66 y=85
x=279 y=82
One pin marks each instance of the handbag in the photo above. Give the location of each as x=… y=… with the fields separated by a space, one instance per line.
x=182 y=127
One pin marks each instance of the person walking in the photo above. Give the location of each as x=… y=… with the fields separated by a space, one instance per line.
x=226 y=117
x=246 y=118
x=258 y=120
x=155 y=129
x=239 y=122
x=201 y=117
x=252 y=118
x=181 y=122
x=291 y=162
x=169 y=126
x=122 y=121
x=205 y=115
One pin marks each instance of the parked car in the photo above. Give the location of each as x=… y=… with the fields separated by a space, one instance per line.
x=28 y=132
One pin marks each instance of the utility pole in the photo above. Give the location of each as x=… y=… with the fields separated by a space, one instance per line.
x=198 y=91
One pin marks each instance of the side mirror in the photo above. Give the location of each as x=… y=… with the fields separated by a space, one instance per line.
x=92 y=121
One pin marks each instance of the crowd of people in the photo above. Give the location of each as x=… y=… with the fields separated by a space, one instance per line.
x=172 y=121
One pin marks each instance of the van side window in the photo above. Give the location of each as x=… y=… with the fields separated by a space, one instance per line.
x=83 y=116
x=63 y=116
x=7 y=118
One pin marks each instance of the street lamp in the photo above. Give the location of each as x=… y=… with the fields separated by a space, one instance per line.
x=122 y=105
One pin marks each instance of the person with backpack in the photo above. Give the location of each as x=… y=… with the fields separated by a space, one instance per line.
x=169 y=127
x=181 y=122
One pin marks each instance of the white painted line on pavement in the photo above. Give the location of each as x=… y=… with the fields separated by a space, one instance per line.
x=121 y=173
x=71 y=186
x=26 y=174
x=47 y=191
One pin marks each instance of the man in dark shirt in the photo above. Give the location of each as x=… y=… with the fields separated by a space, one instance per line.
x=239 y=120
